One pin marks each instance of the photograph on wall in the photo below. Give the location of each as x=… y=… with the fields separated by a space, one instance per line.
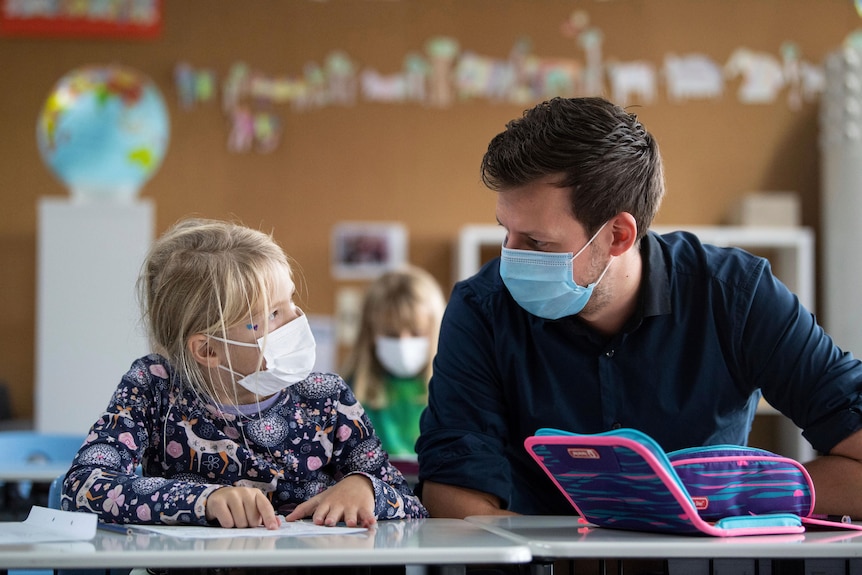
x=364 y=250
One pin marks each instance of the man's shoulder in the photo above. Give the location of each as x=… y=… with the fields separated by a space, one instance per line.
x=685 y=253
x=486 y=283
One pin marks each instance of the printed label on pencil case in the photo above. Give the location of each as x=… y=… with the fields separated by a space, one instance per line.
x=583 y=453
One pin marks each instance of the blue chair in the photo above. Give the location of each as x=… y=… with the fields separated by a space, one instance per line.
x=27 y=456
x=55 y=491
x=19 y=447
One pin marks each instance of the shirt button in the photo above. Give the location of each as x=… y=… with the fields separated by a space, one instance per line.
x=609 y=353
x=616 y=425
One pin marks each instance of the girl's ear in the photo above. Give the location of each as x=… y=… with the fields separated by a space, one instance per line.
x=200 y=349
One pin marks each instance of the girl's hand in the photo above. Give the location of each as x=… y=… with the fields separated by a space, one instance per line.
x=241 y=507
x=350 y=500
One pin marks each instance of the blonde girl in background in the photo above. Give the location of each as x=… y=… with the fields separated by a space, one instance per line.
x=226 y=419
x=390 y=364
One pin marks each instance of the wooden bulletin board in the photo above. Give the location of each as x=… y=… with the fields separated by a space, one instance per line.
x=408 y=162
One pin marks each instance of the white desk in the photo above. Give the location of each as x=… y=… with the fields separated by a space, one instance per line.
x=446 y=542
x=558 y=537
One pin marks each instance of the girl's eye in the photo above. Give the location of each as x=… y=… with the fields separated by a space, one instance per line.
x=273 y=315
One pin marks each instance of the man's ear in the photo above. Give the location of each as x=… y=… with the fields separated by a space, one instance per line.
x=625 y=233
x=200 y=349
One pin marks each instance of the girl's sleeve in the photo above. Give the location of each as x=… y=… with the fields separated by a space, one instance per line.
x=104 y=477
x=357 y=449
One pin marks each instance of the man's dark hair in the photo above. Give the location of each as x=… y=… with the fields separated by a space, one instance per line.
x=600 y=151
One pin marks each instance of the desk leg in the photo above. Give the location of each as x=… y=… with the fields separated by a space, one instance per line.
x=603 y=567
x=688 y=567
x=573 y=567
x=436 y=570
x=542 y=567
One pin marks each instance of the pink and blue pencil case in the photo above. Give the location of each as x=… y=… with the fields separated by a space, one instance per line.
x=623 y=479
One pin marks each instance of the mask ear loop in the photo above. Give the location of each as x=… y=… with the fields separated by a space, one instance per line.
x=229 y=368
x=165 y=432
x=238 y=415
x=607 y=267
x=595 y=235
x=261 y=343
x=241 y=417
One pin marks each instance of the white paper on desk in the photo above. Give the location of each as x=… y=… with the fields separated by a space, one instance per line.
x=45 y=525
x=292 y=529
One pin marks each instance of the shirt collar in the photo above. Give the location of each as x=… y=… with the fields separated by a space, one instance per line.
x=654 y=296
x=655 y=285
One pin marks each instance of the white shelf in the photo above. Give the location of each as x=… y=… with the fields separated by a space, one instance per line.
x=791 y=255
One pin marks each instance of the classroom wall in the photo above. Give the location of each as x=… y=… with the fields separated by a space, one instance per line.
x=413 y=163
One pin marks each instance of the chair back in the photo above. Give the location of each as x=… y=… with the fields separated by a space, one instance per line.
x=55 y=492
x=29 y=460
x=20 y=447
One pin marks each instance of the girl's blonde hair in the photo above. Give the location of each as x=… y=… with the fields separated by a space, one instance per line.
x=205 y=276
x=394 y=301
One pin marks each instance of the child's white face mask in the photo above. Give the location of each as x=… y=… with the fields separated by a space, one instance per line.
x=402 y=356
x=289 y=352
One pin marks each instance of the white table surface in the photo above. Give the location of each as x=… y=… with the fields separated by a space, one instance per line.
x=563 y=537
x=396 y=542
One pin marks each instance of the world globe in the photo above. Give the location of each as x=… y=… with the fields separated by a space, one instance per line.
x=103 y=131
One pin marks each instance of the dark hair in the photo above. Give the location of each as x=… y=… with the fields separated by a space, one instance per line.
x=602 y=153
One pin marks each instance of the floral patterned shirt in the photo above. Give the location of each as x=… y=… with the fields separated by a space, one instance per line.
x=299 y=443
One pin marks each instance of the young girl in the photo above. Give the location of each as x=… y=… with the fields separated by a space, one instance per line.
x=226 y=420
x=390 y=364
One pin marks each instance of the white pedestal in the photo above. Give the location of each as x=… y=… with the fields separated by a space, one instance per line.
x=88 y=328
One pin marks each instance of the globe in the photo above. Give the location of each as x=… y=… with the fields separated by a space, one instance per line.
x=103 y=131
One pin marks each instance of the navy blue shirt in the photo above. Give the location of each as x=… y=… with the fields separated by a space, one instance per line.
x=713 y=329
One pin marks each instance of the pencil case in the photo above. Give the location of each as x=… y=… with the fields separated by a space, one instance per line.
x=622 y=479
x=729 y=480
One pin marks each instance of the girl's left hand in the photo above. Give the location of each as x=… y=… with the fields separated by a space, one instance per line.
x=350 y=500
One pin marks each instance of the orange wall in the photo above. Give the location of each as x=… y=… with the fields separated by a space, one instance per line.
x=415 y=164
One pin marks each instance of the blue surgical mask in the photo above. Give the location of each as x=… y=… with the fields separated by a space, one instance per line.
x=542 y=282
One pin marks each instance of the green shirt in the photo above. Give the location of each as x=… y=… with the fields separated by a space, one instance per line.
x=397 y=424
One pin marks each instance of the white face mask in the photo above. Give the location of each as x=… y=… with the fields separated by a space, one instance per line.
x=402 y=356
x=289 y=352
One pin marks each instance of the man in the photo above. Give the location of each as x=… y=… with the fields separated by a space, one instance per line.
x=588 y=322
